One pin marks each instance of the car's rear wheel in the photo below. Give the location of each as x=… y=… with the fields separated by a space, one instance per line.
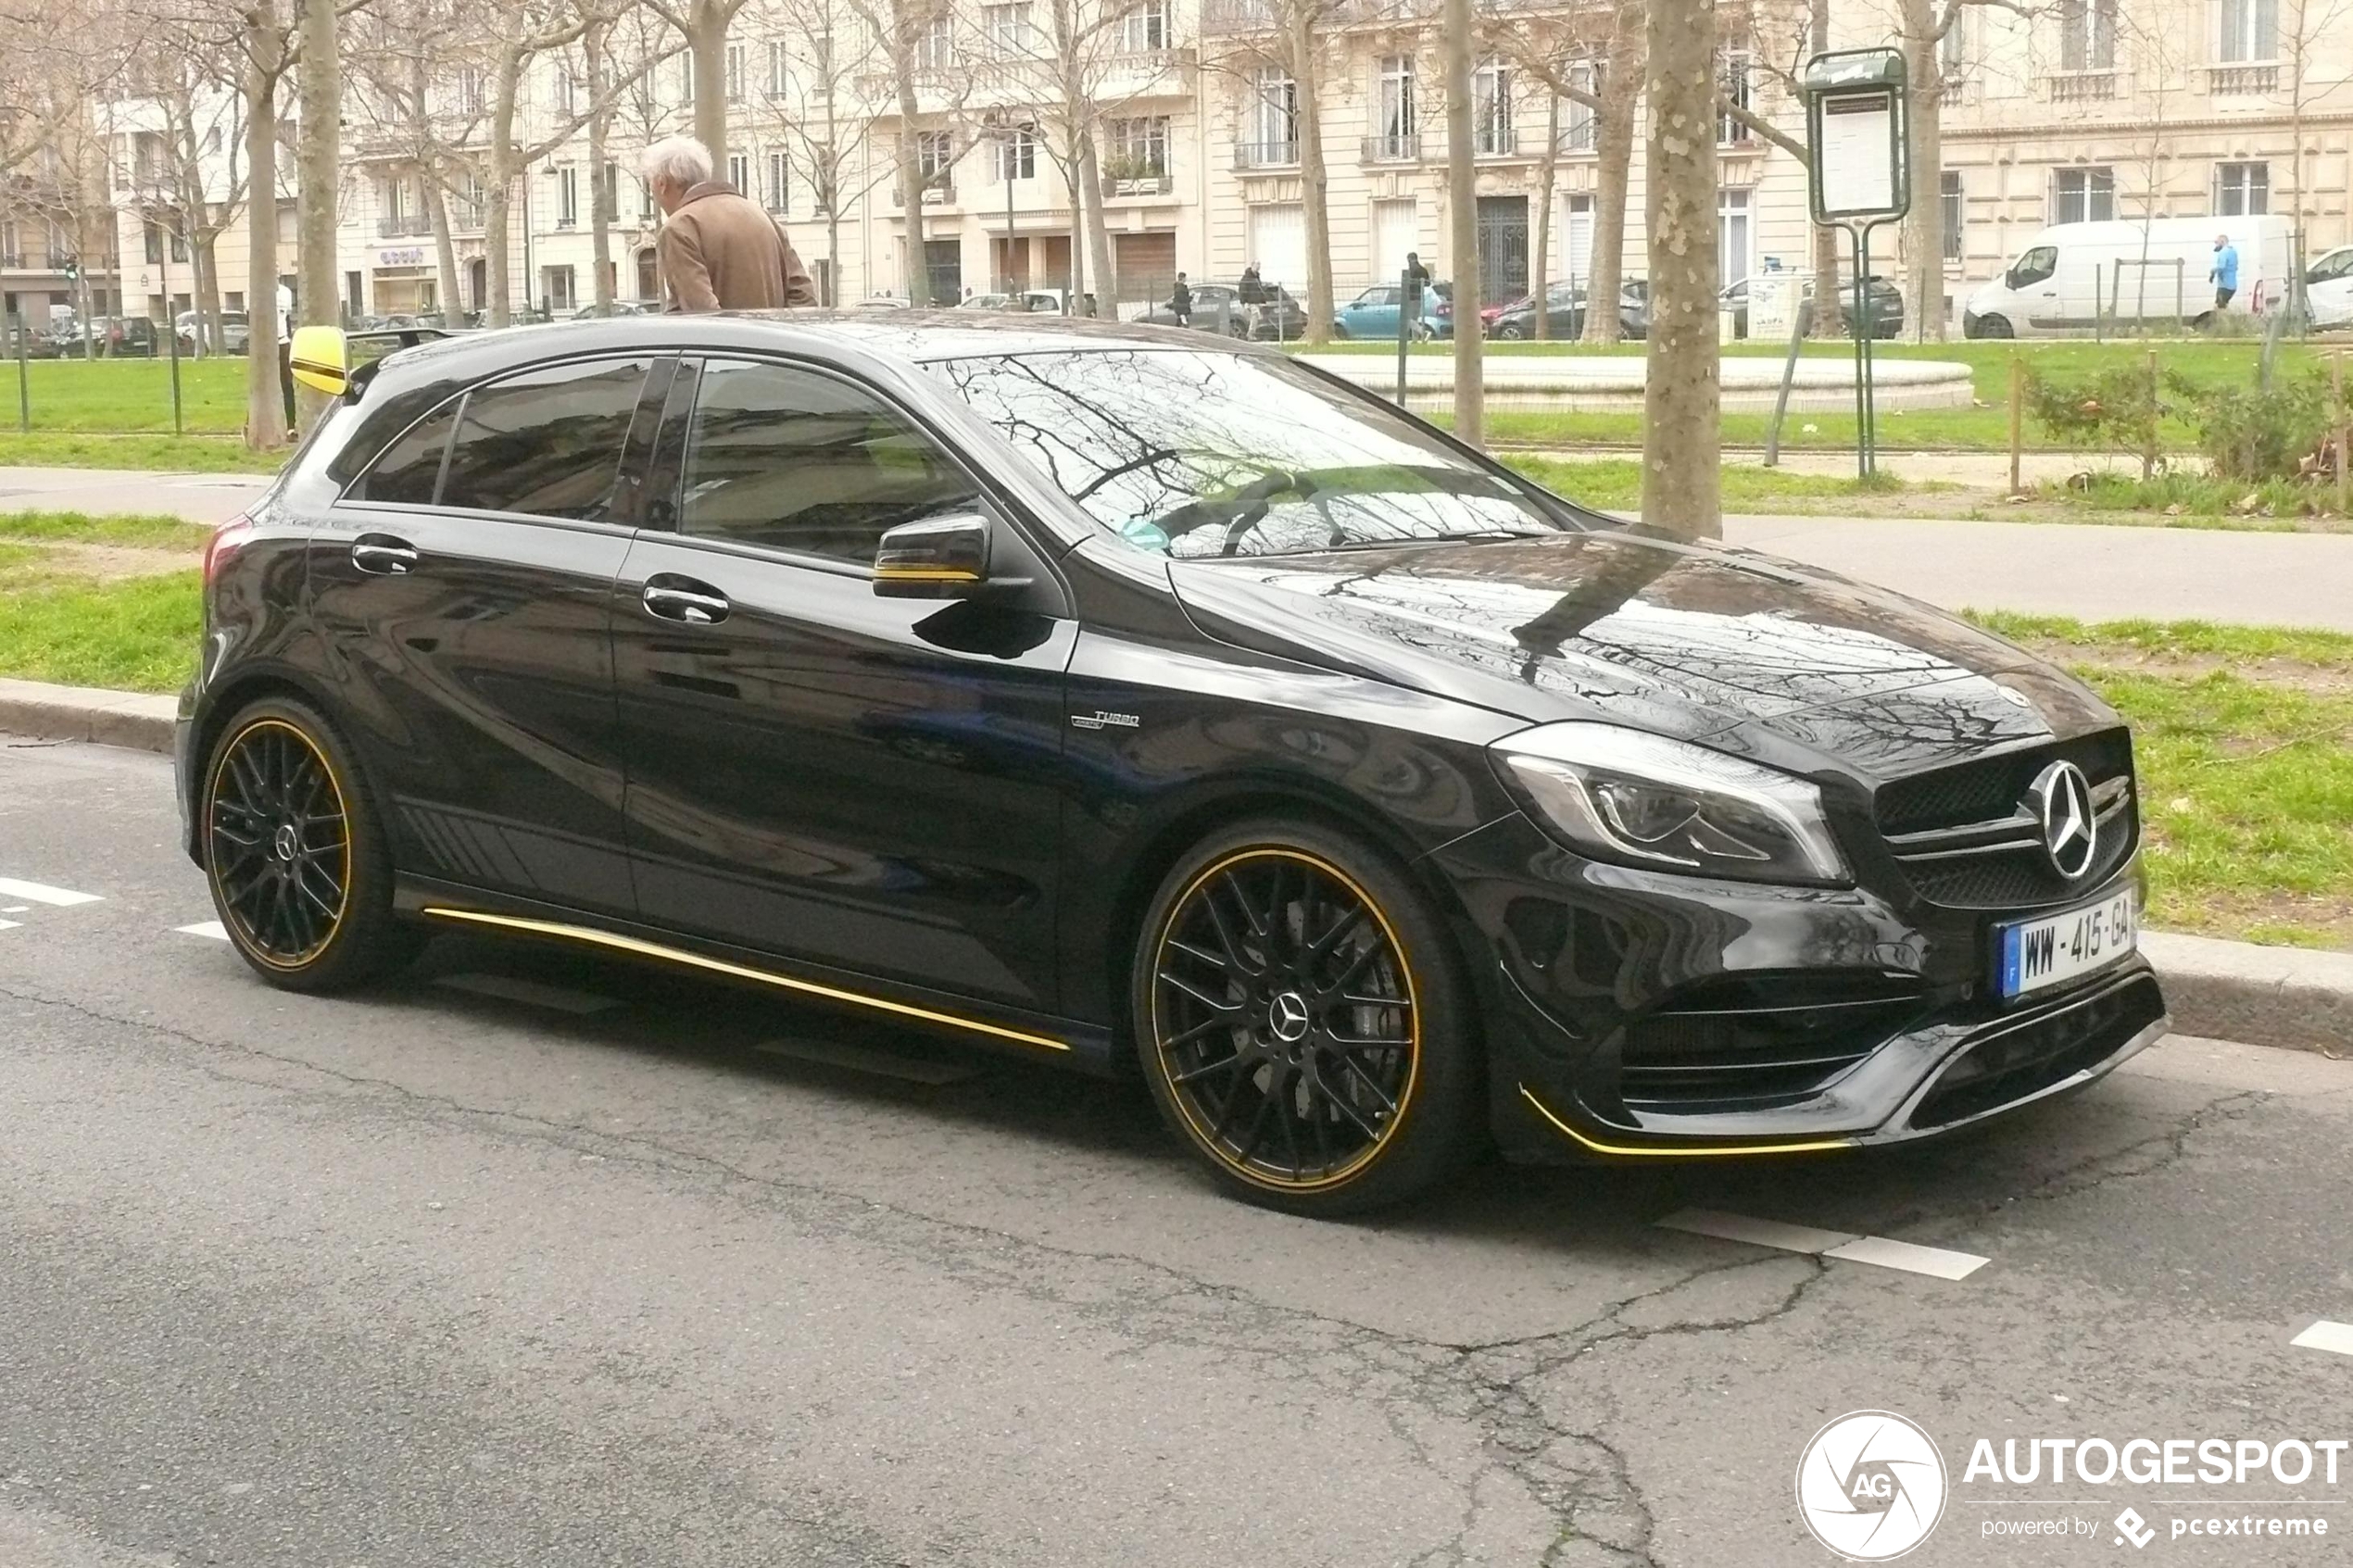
x=1511 y=332
x=1303 y=1022
x=301 y=875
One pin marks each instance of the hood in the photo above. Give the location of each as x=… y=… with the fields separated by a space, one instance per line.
x=1687 y=640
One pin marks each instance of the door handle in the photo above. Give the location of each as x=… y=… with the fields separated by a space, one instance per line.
x=383 y=555
x=683 y=598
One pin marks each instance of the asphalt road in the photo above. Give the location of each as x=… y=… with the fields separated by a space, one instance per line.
x=531 y=1260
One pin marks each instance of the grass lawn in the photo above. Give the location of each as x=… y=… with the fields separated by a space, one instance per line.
x=194 y=454
x=1616 y=484
x=2245 y=742
x=118 y=395
x=132 y=633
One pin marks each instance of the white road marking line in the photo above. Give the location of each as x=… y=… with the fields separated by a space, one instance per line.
x=915 y=1070
x=513 y=988
x=1911 y=1259
x=2326 y=1335
x=10 y=925
x=211 y=928
x=42 y=892
x=1876 y=1250
x=14 y=910
x=1763 y=1232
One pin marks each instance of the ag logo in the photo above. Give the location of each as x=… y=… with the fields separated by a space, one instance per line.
x=1871 y=1486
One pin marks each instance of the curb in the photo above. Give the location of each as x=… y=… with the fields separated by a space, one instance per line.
x=87 y=713
x=2290 y=997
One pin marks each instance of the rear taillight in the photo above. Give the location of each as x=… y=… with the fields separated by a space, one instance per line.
x=225 y=542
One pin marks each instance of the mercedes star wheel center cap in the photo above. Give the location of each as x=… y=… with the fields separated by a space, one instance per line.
x=1286 y=1016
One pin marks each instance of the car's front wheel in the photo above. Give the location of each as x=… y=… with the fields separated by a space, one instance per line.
x=300 y=871
x=1303 y=1022
x=1511 y=332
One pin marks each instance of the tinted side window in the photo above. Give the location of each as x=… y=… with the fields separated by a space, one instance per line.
x=547 y=442
x=796 y=460
x=410 y=467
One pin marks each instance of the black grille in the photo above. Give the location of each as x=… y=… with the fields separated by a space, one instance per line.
x=2034 y=1056
x=1752 y=1043
x=1966 y=839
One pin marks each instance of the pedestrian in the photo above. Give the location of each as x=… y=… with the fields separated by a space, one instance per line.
x=1180 y=301
x=2224 y=275
x=1417 y=275
x=717 y=250
x=1250 y=290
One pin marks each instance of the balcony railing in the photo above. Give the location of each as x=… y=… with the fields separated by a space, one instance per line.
x=1265 y=154
x=939 y=191
x=2081 y=86
x=1497 y=141
x=2228 y=81
x=1138 y=184
x=1580 y=136
x=1398 y=147
x=404 y=226
x=1238 y=15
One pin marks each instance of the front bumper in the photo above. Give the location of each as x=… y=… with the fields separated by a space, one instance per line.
x=1629 y=1013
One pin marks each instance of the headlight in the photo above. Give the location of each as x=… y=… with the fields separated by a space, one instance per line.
x=1645 y=801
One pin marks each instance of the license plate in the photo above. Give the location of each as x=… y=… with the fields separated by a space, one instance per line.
x=2057 y=949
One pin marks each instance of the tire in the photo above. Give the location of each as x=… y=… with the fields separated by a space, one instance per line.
x=1265 y=1055
x=1995 y=326
x=1511 y=332
x=295 y=852
x=1340 y=332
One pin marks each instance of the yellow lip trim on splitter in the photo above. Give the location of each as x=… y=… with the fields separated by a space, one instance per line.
x=1526 y=1094
x=740 y=971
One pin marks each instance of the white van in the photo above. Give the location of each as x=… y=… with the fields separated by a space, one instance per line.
x=2328 y=289
x=2068 y=271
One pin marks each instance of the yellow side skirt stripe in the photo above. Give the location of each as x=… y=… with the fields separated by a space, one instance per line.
x=740 y=971
x=1670 y=1152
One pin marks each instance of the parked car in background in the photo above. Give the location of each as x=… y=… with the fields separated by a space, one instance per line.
x=1887 y=305
x=132 y=337
x=585 y=313
x=1215 y=305
x=236 y=332
x=986 y=302
x=1564 y=315
x=2328 y=289
x=1372 y=315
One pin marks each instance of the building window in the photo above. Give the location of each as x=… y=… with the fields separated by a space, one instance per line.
x=2250 y=31
x=1492 y=109
x=2087 y=34
x=560 y=88
x=1731 y=235
x=469 y=96
x=2242 y=190
x=1144 y=30
x=153 y=234
x=1018 y=156
x=609 y=192
x=935 y=154
x=467 y=212
x=1139 y=146
x=779 y=69
x=936 y=50
x=1397 y=111
x=1578 y=124
x=1007 y=27
x=567 y=197
x=778 y=169
x=1735 y=79
x=1950 y=196
x=555 y=289
x=735 y=62
x=1276 y=115
x=1952 y=50
x=685 y=80
x=739 y=174
x=2084 y=195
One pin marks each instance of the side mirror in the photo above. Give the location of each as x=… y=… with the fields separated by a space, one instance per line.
x=939 y=558
x=320 y=359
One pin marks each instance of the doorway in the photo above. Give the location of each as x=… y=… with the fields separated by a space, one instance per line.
x=1502 y=248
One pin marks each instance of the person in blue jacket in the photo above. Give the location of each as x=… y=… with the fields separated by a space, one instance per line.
x=2225 y=274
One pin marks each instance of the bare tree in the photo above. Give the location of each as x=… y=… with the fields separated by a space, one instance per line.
x=920 y=44
x=704 y=24
x=826 y=111
x=1277 y=52
x=319 y=172
x=1682 y=400
x=1470 y=387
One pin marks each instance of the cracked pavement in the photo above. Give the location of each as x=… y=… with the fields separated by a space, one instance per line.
x=426 y=1277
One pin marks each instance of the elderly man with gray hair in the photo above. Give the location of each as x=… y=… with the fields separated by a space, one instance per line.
x=717 y=251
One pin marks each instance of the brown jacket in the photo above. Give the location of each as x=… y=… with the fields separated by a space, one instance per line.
x=720 y=252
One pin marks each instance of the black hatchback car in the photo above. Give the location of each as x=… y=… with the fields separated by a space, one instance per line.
x=1153 y=705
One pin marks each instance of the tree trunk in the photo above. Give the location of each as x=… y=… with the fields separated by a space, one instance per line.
x=1462 y=212
x=445 y=252
x=917 y=275
x=499 y=193
x=1681 y=399
x=707 y=42
x=1613 y=157
x=317 y=168
x=1541 y=262
x=1924 y=229
x=265 y=411
x=601 y=215
x=206 y=251
x=1090 y=183
x=1313 y=183
x=1828 y=320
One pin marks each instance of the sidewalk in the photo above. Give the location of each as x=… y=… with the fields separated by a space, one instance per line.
x=199 y=497
x=2084 y=569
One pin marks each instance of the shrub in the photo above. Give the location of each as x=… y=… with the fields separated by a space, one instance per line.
x=2117 y=410
x=2255 y=434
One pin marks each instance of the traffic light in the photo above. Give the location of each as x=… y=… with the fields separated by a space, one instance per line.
x=73 y=269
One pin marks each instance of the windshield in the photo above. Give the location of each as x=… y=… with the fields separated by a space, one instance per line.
x=1203 y=453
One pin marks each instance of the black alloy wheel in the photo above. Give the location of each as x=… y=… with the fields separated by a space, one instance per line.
x=298 y=870
x=1301 y=1026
